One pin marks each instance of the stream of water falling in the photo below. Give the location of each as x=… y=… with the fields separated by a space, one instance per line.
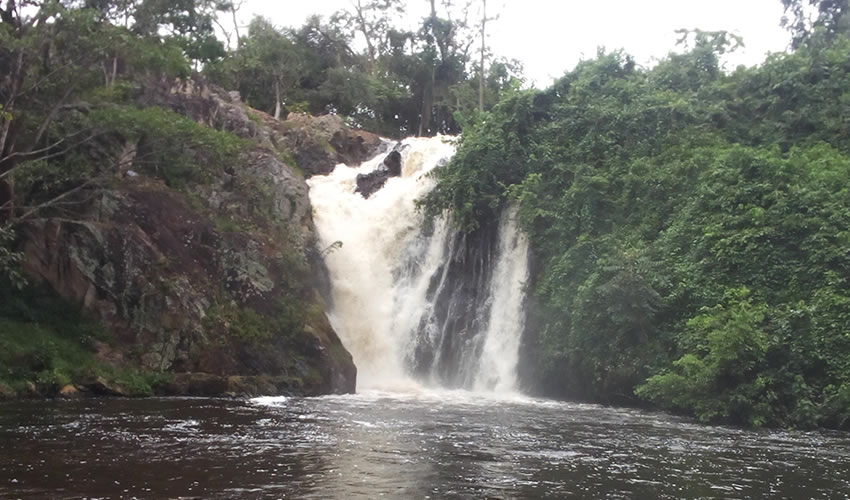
x=391 y=270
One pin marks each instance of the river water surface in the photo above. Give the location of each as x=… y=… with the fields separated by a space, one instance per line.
x=419 y=444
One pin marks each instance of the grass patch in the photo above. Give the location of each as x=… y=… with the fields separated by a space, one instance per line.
x=136 y=383
x=48 y=342
x=37 y=353
x=44 y=339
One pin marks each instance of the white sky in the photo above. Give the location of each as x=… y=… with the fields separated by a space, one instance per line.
x=551 y=36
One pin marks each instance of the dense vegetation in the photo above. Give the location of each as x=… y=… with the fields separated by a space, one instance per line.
x=689 y=225
x=46 y=343
x=84 y=89
x=75 y=77
x=420 y=80
x=72 y=97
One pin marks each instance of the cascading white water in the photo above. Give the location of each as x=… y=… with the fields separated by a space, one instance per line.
x=392 y=268
x=498 y=361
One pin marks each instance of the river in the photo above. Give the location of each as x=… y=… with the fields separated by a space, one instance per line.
x=416 y=444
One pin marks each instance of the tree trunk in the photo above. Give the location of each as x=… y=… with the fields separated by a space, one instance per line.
x=7 y=143
x=235 y=24
x=427 y=105
x=114 y=70
x=370 y=47
x=127 y=157
x=277 y=100
x=483 y=45
x=7 y=184
x=10 y=183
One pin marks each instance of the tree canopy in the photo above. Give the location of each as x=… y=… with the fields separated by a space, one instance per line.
x=403 y=82
x=688 y=227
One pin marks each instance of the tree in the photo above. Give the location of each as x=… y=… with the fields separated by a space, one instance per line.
x=484 y=20
x=53 y=56
x=274 y=68
x=402 y=83
x=10 y=261
x=274 y=59
x=190 y=22
x=830 y=19
x=373 y=20
x=230 y=8
x=688 y=225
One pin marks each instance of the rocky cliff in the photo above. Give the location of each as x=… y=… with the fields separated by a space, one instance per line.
x=215 y=284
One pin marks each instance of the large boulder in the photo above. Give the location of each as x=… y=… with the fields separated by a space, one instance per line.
x=321 y=143
x=367 y=184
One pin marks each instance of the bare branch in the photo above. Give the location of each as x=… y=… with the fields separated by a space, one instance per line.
x=45 y=157
x=56 y=199
x=18 y=154
x=52 y=115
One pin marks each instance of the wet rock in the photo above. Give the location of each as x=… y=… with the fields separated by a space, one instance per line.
x=197 y=384
x=69 y=392
x=356 y=146
x=320 y=143
x=103 y=387
x=257 y=386
x=30 y=390
x=393 y=163
x=210 y=385
x=368 y=184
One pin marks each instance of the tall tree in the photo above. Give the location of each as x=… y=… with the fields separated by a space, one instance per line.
x=272 y=61
x=483 y=50
x=806 y=18
x=372 y=20
x=52 y=57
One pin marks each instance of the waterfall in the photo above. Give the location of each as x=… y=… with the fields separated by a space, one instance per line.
x=498 y=361
x=416 y=301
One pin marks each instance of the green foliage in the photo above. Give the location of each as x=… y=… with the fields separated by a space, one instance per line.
x=729 y=344
x=10 y=260
x=164 y=145
x=70 y=69
x=43 y=339
x=227 y=225
x=136 y=383
x=494 y=155
x=403 y=83
x=170 y=146
x=48 y=342
x=831 y=20
x=689 y=227
x=244 y=324
x=247 y=325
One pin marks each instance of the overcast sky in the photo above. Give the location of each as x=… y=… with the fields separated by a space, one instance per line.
x=551 y=36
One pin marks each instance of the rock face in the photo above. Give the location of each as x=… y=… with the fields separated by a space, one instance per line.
x=317 y=143
x=216 y=283
x=320 y=143
x=367 y=184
